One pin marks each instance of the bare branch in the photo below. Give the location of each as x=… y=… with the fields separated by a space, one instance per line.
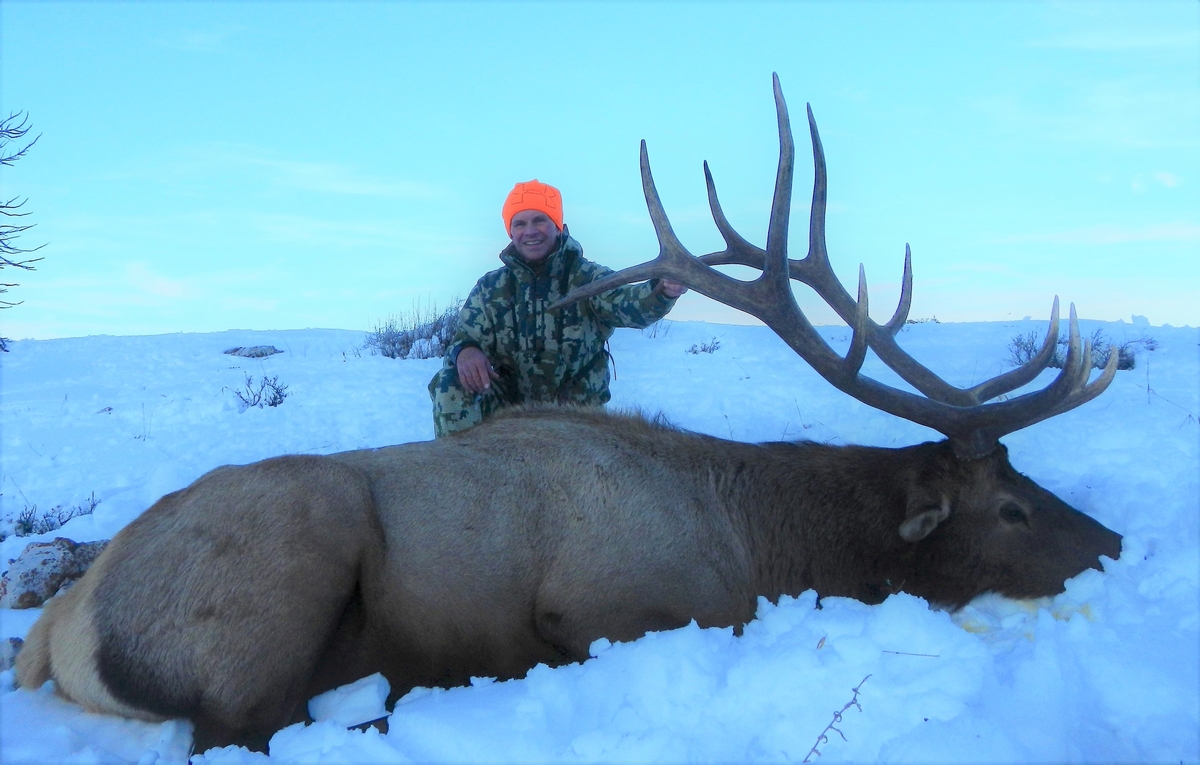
x=8 y=234
x=10 y=131
x=8 y=208
x=13 y=130
x=823 y=736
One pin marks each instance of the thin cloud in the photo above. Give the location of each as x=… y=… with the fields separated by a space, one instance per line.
x=142 y=279
x=202 y=40
x=1114 y=42
x=1002 y=269
x=1188 y=233
x=299 y=229
x=130 y=289
x=1113 y=113
x=1167 y=179
x=302 y=175
x=331 y=178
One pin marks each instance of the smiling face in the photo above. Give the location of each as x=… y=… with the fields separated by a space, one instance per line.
x=533 y=234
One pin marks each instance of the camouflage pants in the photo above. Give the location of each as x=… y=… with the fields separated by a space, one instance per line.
x=455 y=408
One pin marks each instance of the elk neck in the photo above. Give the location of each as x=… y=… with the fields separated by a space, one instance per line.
x=822 y=517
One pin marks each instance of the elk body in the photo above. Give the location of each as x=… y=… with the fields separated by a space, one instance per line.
x=233 y=601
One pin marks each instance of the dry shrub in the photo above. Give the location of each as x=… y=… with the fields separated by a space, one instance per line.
x=422 y=333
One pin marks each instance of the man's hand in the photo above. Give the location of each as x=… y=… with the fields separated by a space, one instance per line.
x=474 y=370
x=671 y=289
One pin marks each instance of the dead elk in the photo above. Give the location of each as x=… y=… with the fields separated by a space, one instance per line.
x=233 y=601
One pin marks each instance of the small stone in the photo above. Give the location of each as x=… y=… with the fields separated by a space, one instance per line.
x=9 y=648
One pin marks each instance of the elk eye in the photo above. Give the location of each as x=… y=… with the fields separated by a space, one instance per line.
x=1011 y=512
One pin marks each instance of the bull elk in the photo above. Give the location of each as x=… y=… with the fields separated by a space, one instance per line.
x=234 y=600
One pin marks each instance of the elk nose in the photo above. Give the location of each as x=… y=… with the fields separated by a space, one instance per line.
x=1111 y=544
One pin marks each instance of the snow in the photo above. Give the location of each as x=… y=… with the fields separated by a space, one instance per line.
x=1108 y=671
x=359 y=702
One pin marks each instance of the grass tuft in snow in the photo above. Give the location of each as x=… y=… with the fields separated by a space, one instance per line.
x=660 y=328
x=709 y=347
x=30 y=523
x=422 y=334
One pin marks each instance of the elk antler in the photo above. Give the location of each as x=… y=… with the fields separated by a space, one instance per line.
x=973 y=427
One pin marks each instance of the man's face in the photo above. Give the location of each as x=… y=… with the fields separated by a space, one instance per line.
x=533 y=234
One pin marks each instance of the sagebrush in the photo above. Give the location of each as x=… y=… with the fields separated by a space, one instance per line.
x=709 y=347
x=29 y=522
x=1022 y=348
x=268 y=392
x=423 y=333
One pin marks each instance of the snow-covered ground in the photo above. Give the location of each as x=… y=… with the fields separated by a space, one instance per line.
x=1109 y=671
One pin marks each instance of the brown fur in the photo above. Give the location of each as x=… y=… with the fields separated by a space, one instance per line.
x=518 y=542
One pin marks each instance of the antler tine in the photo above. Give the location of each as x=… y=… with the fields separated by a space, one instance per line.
x=817 y=261
x=737 y=251
x=672 y=257
x=858 y=341
x=1068 y=390
x=896 y=323
x=638 y=273
x=1023 y=374
x=1089 y=391
x=669 y=246
x=775 y=269
x=1079 y=361
x=676 y=263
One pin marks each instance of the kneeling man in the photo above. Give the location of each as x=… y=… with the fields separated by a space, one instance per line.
x=509 y=349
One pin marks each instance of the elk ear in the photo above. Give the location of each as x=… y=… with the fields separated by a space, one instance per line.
x=923 y=519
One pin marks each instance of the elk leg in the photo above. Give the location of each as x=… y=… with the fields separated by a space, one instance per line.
x=351 y=654
x=219 y=602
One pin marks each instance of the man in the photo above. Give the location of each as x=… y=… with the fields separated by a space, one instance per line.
x=509 y=349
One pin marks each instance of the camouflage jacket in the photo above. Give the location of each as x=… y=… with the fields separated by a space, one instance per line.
x=546 y=355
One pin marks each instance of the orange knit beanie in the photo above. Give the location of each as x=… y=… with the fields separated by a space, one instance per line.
x=533 y=195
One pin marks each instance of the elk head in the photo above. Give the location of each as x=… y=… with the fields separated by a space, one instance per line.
x=1022 y=539
x=977 y=525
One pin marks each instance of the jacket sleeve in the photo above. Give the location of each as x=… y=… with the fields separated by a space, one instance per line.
x=633 y=305
x=475 y=327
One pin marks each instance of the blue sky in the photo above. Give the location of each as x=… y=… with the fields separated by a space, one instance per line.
x=206 y=166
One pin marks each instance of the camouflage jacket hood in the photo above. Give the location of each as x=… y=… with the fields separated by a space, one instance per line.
x=551 y=355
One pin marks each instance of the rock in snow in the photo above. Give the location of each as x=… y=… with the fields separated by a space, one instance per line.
x=44 y=569
x=253 y=352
